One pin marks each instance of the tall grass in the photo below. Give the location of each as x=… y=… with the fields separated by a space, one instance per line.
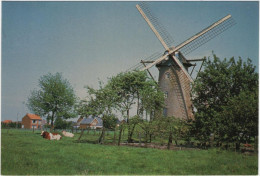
x=27 y=153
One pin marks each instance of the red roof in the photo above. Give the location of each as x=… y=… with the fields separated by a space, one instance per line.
x=33 y=116
x=7 y=121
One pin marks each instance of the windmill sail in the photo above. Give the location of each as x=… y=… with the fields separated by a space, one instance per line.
x=157 y=27
x=207 y=36
x=151 y=58
x=193 y=39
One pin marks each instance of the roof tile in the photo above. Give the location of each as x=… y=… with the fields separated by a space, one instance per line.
x=33 y=116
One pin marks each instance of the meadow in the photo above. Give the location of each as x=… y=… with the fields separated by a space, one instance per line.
x=26 y=153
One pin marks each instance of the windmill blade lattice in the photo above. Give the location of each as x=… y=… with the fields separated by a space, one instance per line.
x=156 y=23
x=140 y=65
x=207 y=36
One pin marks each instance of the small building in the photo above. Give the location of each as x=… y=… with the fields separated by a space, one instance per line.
x=76 y=125
x=30 y=121
x=7 y=121
x=92 y=122
x=80 y=119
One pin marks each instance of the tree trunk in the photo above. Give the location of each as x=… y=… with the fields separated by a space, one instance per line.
x=114 y=140
x=146 y=139
x=131 y=134
x=137 y=111
x=256 y=144
x=128 y=127
x=237 y=146
x=119 y=137
x=139 y=136
x=169 y=141
x=102 y=136
x=82 y=131
x=52 y=119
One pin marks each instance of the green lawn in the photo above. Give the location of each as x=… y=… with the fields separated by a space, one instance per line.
x=27 y=153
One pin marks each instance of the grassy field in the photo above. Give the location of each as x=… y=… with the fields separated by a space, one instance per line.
x=27 y=153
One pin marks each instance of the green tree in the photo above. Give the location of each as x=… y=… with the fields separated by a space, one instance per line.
x=61 y=124
x=101 y=102
x=171 y=128
x=240 y=117
x=55 y=98
x=135 y=88
x=213 y=90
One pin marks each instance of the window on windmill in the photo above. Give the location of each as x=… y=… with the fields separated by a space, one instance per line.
x=166 y=94
x=167 y=75
x=164 y=112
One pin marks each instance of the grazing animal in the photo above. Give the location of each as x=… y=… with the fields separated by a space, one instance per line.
x=247 y=145
x=67 y=134
x=50 y=136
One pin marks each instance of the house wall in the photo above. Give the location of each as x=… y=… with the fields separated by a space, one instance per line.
x=28 y=123
x=84 y=126
x=92 y=124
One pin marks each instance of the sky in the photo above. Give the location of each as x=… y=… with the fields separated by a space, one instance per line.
x=91 y=41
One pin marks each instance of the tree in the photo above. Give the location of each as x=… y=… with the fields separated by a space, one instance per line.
x=241 y=117
x=55 y=98
x=62 y=124
x=135 y=88
x=101 y=102
x=171 y=128
x=212 y=93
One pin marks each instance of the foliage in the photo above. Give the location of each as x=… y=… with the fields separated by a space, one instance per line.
x=215 y=90
x=109 y=122
x=55 y=98
x=172 y=128
x=241 y=117
x=136 y=88
x=122 y=93
x=149 y=128
x=100 y=102
x=11 y=125
x=62 y=124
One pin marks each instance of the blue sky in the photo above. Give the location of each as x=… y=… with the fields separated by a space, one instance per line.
x=90 y=41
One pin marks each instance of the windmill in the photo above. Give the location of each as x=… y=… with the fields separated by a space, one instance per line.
x=174 y=79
